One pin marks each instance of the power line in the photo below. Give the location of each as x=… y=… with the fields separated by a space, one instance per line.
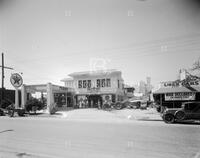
x=172 y=42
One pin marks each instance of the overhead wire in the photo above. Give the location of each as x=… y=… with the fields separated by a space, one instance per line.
x=174 y=43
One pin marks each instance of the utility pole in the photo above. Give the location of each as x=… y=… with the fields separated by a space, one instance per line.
x=3 y=76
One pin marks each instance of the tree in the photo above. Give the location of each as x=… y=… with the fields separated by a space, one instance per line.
x=196 y=65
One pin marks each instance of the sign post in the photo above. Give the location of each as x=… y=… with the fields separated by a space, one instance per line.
x=16 y=80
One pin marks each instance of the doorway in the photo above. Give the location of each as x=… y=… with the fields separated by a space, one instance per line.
x=94 y=101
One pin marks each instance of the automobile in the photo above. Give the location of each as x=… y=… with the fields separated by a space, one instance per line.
x=188 y=111
x=138 y=104
x=135 y=104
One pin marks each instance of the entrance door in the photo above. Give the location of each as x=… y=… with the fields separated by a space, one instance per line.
x=94 y=100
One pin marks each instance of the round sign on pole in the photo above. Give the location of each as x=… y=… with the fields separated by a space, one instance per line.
x=16 y=80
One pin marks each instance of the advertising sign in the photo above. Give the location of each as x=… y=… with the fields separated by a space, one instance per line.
x=180 y=96
x=16 y=80
x=180 y=83
x=93 y=90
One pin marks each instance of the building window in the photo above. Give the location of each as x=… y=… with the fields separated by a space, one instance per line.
x=89 y=83
x=108 y=82
x=80 y=84
x=130 y=90
x=84 y=84
x=103 y=83
x=118 y=83
x=98 y=83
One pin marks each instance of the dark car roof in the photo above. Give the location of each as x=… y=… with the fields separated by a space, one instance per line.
x=191 y=102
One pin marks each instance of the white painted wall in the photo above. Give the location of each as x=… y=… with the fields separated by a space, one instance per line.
x=114 y=83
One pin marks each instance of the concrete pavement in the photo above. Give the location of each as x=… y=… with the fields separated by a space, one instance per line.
x=41 y=137
x=107 y=115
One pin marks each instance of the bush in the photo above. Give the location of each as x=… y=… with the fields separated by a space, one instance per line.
x=34 y=104
x=21 y=112
x=5 y=103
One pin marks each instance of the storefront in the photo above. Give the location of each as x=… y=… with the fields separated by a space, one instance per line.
x=93 y=89
x=173 y=95
x=94 y=100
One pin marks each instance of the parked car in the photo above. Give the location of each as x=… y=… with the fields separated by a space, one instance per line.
x=135 y=104
x=138 y=104
x=188 y=111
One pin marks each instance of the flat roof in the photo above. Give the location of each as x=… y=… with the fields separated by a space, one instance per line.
x=98 y=72
x=177 y=89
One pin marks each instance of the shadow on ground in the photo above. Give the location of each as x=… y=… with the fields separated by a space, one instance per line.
x=185 y=122
x=8 y=130
x=189 y=122
x=149 y=120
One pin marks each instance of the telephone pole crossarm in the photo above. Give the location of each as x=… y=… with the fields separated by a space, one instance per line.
x=7 y=67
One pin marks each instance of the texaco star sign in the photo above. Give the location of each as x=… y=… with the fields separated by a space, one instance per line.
x=16 y=80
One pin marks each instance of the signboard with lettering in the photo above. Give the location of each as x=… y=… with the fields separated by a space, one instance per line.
x=181 y=83
x=59 y=89
x=180 y=96
x=177 y=84
x=93 y=90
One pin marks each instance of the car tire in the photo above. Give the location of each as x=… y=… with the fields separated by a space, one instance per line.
x=169 y=118
x=118 y=106
x=180 y=115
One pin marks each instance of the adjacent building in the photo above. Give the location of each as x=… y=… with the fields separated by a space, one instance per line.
x=172 y=94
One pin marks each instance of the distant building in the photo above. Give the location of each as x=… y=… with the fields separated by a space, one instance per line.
x=145 y=88
x=142 y=87
x=94 y=88
x=148 y=85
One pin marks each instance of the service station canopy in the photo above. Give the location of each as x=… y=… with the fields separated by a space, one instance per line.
x=43 y=88
x=48 y=88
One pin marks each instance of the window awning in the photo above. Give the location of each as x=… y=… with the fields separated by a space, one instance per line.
x=177 y=90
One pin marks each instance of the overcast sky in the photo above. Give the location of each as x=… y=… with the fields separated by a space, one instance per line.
x=48 y=39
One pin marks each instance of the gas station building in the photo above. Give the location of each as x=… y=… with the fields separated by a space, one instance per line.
x=56 y=96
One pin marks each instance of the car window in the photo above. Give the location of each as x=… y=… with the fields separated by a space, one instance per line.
x=191 y=106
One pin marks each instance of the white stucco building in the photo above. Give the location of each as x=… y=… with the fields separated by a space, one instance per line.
x=94 y=88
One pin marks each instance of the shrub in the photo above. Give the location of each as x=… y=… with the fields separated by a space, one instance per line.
x=5 y=103
x=34 y=104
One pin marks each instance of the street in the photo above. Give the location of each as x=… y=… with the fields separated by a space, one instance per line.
x=121 y=138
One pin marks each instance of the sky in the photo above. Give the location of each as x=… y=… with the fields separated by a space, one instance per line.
x=46 y=40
